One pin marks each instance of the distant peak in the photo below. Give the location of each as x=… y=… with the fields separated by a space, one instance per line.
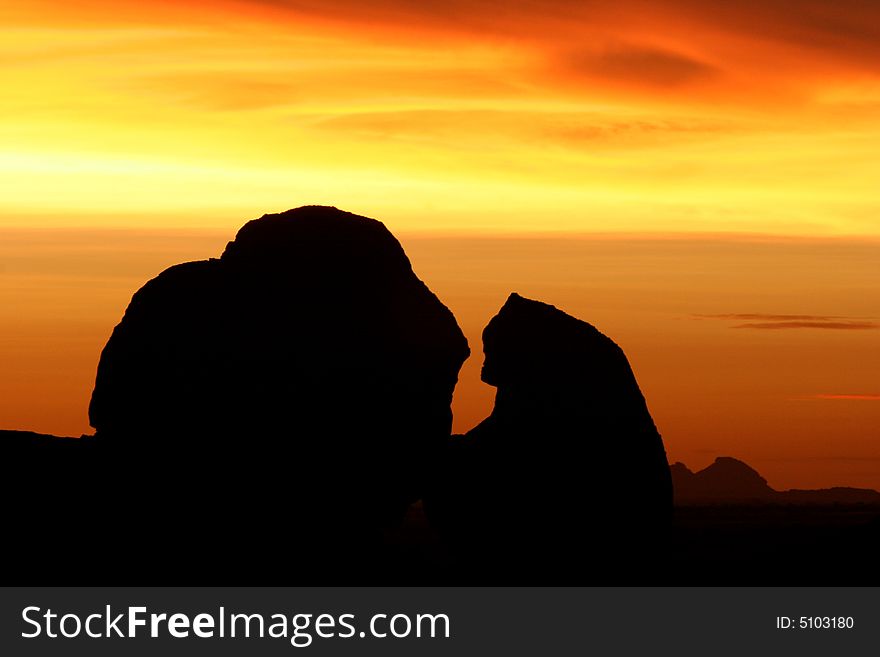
x=730 y=460
x=728 y=464
x=681 y=467
x=731 y=463
x=730 y=480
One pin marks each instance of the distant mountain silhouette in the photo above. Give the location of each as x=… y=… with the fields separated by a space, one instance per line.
x=285 y=399
x=731 y=481
x=726 y=478
x=569 y=460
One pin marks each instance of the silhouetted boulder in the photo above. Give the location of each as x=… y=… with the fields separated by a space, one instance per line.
x=568 y=464
x=301 y=380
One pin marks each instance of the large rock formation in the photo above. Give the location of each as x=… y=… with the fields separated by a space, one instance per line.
x=289 y=391
x=569 y=464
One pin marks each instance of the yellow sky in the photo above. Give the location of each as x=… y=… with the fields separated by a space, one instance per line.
x=149 y=114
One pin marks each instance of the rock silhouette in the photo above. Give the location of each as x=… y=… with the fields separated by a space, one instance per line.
x=569 y=461
x=282 y=400
x=731 y=481
x=307 y=373
x=262 y=416
x=726 y=478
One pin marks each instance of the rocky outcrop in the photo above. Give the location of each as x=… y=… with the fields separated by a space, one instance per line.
x=725 y=479
x=730 y=481
x=292 y=389
x=569 y=463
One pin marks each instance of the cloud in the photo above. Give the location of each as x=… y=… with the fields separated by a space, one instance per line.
x=839 y=326
x=847 y=397
x=780 y=322
x=843 y=30
x=483 y=128
x=220 y=91
x=642 y=65
x=842 y=459
x=762 y=52
x=771 y=318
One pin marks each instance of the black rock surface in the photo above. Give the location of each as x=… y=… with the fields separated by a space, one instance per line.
x=51 y=502
x=279 y=403
x=569 y=462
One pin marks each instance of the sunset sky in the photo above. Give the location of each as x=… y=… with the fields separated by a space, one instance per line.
x=698 y=179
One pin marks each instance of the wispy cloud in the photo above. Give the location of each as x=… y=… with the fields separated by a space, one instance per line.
x=777 y=322
x=772 y=318
x=651 y=66
x=847 y=397
x=835 y=326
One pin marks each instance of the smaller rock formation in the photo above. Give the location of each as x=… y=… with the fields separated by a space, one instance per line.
x=731 y=481
x=569 y=467
x=726 y=478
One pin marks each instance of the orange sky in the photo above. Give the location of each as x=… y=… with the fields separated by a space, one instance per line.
x=460 y=115
x=664 y=140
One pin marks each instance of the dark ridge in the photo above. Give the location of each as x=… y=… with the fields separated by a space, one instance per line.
x=731 y=481
x=31 y=439
x=833 y=495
